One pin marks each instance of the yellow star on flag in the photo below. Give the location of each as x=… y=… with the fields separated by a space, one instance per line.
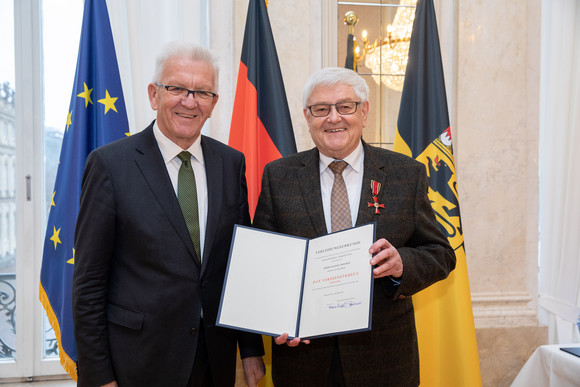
x=72 y=260
x=86 y=95
x=55 y=237
x=109 y=102
x=68 y=120
x=52 y=202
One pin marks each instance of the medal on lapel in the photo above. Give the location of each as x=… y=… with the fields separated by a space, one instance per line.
x=375 y=188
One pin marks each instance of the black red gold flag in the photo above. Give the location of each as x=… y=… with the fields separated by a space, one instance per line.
x=261 y=126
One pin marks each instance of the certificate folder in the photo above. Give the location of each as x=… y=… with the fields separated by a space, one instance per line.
x=277 y=283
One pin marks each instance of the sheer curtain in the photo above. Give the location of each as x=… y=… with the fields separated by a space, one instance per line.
x=559 y=274
x=141 y=28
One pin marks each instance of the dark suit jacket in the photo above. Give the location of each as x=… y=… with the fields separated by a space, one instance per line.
x=291 y=203
x=138 y=291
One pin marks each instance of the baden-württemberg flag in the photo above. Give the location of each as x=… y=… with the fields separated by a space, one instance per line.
x=444 y=317
x=96 y=116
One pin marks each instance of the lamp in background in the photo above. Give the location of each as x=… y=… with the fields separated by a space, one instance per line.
x=387 y=57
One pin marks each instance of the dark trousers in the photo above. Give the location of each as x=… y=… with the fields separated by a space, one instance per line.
x=335 y=375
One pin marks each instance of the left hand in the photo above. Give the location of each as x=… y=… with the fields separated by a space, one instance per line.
x=291 y=343
x=387 y=259
x=254 y=370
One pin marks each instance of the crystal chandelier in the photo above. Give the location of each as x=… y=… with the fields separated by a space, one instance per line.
x=387 y=58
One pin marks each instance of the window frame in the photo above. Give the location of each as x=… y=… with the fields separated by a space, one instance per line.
x=29 y=363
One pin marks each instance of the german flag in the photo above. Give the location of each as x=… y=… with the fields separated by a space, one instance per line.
x=444 y=317
x=261 y=126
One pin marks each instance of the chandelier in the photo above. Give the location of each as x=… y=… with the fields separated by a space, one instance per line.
x=386 y=57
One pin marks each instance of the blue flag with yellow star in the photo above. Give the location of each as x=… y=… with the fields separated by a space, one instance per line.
x=96 y=117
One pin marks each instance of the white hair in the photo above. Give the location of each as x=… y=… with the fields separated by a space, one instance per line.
x=331 y=76
x=186 y=50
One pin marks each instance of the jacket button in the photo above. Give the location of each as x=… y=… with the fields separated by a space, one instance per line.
x=193 y=331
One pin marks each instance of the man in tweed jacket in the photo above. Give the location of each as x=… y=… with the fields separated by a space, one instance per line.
x=410 y=254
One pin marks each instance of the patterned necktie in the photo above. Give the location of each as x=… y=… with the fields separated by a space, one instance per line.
x=187 y=197
x=339 y=207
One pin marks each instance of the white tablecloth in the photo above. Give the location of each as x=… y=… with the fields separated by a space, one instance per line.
x=550 y=367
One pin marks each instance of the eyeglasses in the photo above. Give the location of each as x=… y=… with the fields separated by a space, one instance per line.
x=199 y=95
x=343 y=108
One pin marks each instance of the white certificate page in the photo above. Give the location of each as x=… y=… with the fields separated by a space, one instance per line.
x=263 y=281
x=338 y=283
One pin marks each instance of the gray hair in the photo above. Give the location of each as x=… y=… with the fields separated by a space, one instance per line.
x=187 y=50
x=331 y=76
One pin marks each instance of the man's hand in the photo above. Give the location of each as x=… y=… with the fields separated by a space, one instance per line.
x=291 y=343
x=254 y=370
x=387 y=259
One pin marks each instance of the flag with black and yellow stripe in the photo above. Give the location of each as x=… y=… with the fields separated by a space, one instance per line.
x=443 y=312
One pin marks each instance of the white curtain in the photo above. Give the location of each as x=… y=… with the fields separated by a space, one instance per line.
x=141 y=28
x=559 y=160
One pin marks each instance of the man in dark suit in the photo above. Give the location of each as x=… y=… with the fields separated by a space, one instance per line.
x=410 y=254
x=145 y=298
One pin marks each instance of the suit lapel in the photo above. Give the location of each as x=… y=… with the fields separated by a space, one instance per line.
x=373 y=170
x=309 y=181
x=150 y=162
x=215 y=187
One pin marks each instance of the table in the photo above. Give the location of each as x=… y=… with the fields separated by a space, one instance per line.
x=550 y=367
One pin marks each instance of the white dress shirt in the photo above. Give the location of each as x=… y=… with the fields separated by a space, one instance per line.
x=352 y=175
x=169 y=151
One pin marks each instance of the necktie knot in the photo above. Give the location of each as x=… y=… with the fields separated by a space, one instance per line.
x=338 y=166
x=185 y=158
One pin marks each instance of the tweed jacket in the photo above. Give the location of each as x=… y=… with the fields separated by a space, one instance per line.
x=291 y=203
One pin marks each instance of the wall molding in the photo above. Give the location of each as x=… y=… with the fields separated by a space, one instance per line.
x=505 y=309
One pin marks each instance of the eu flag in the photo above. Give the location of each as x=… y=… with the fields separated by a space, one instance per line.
x=96 y=116
x=261 y=126
x=443 y=315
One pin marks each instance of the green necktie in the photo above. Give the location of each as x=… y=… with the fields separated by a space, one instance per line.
x=187 y=196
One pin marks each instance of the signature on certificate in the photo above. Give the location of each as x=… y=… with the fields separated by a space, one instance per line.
x=344 y=304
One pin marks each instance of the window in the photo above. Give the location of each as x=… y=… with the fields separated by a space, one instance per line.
x=8 y=344
x=382 y=33
x=37 y=64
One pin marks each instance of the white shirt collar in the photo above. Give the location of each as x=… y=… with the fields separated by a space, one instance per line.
x=354 y=159
x=169 y=149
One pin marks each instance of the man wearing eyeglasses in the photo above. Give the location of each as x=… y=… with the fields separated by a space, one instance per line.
x=155 y=224
x=304 y=195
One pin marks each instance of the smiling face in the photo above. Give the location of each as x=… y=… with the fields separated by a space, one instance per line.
x=336 y=135
x=181 y=119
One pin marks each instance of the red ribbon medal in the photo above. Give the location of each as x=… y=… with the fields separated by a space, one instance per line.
x=375 y=188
